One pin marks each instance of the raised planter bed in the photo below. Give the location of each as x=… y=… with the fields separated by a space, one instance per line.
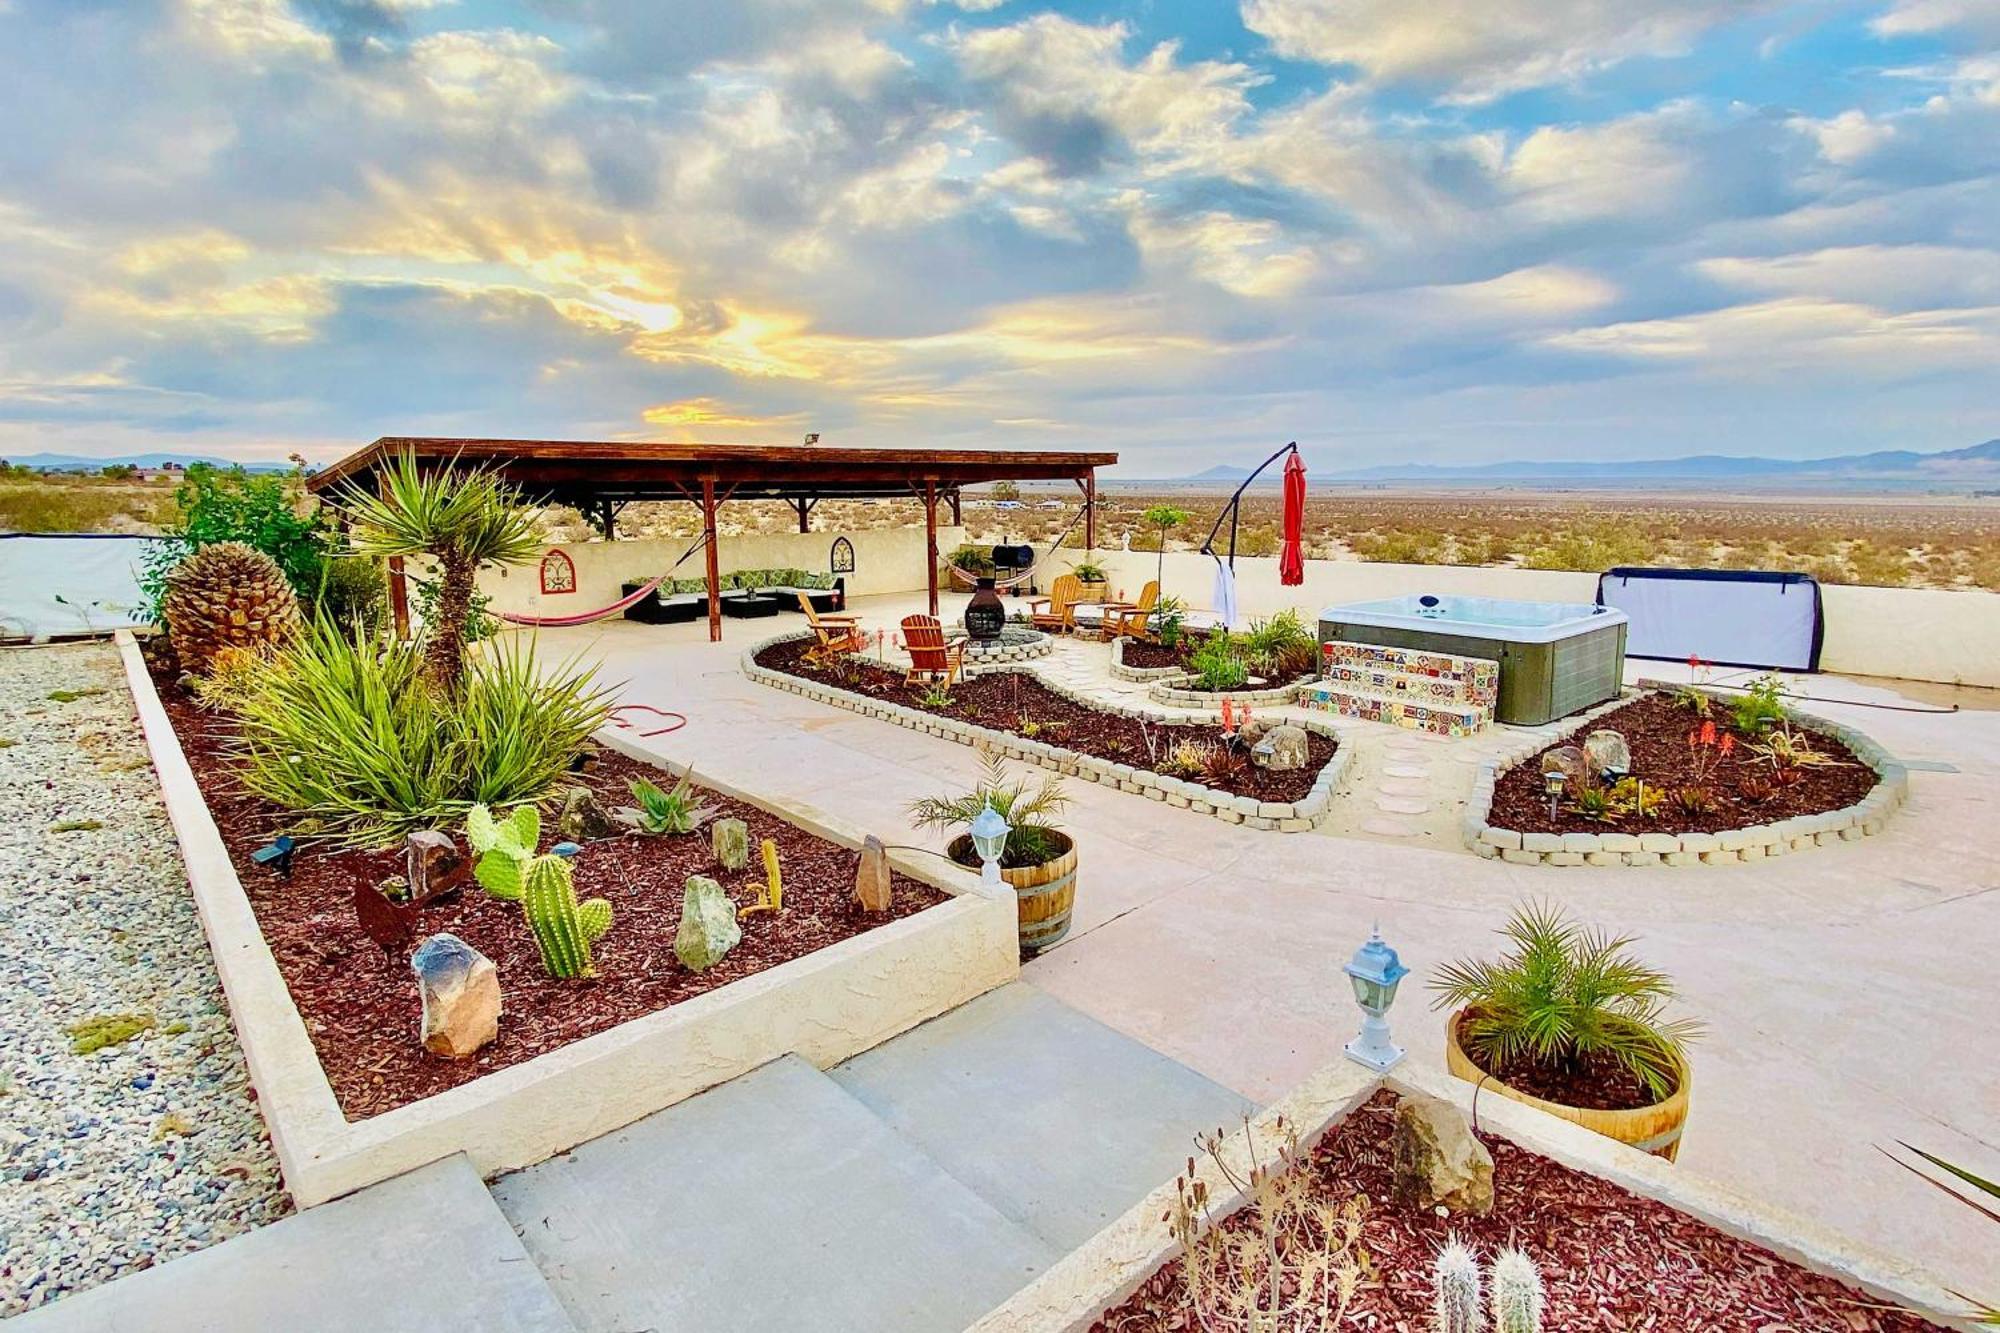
x=988 y=709
x=1832 y=805
x=313 y=999
x=1623 y=1240
x=1132 y=659
x=1183 y=692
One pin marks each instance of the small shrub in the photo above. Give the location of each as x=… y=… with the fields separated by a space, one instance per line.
x=266 y=511
x=1633 y=797
x=1188 y=757
x=1759 y=707
x=1694 y=801
x=1217 y=664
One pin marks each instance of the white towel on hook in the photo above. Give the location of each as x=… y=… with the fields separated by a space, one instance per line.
x=1223 y=598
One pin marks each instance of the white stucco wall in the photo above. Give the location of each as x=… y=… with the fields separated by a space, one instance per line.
x=886 y=560
x=1907 y=633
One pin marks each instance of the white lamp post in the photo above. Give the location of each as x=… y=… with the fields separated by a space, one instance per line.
x=989 y=830
x=1376 y=972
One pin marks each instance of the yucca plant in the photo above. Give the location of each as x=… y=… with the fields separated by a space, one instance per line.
x=1030 y=809
x=1565 y=994
x=346 y=730
x=461 y=519
x=1986 y=1316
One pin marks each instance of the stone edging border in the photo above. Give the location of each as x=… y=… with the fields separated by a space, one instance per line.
x=825 y=1007
x=1279 y=816
x=1141 y=674
x=1729 y=847
x=1164 y=692
x=1105 y=1270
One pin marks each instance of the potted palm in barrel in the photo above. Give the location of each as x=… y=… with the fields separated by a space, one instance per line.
x=1039 y=861
x=1570 y=1022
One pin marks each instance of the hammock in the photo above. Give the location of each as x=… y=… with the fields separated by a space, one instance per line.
x=617 y=608
x=971 y=579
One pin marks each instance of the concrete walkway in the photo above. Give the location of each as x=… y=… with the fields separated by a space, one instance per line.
x=1849 y=992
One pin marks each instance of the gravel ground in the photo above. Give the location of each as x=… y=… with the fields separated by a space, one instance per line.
x=150 y=1147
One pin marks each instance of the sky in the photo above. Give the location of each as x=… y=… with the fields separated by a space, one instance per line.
x=1455 y=231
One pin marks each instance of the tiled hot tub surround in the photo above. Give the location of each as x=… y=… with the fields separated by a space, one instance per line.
x=1729 y=847
x=1280 y=816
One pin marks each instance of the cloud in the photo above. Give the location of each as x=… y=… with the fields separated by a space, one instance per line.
x=1476 y=50
x=1976 y=18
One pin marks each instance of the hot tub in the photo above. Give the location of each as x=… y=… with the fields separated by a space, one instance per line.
x=1555 y=657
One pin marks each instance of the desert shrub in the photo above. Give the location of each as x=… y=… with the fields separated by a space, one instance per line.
x=263 y=510
x=352 y=591
x=1760 y=707
x=1218 y=663
x=350 y=732
x=1258 y=542
x=1562 y=995
x=1398 y=546
x=50 y=507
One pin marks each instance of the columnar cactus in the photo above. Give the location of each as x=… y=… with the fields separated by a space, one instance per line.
x=564 y=928
x=1517 y=1293
x=774 y=878
x=1456 y=1294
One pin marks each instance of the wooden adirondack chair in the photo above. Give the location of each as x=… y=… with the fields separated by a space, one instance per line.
x=931 y=658
x=839 y=632
x=1060 y=615
x=1130 y=617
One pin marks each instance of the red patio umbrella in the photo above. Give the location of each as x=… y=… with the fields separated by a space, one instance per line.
x=1291 y=558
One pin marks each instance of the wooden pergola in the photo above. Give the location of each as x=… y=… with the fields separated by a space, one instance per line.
x=600 y=477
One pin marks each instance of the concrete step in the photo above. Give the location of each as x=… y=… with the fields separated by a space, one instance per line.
x=774 y=1201
x=1061 y=1122
x=424 y=1253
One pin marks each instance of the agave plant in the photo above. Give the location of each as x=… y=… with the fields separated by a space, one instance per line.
x=1987 y=1316
x=1562 y=995
x=462 y=520
x=675 y=811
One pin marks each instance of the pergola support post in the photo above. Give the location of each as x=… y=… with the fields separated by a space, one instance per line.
x=957 y=514
x=805 y=505
x=1090 y=511
x=712 y=560
x=399 y=583
x=930 y=539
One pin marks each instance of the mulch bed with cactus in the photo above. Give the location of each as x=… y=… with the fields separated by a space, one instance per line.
x=1607 y=1258
x=1703 y=777
x=360 y=1004
x=1018 y=703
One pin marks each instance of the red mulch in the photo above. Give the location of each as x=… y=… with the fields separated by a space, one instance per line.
x=1656 y=728
x=362 y=1008
x=1005 y=700
x=1594 y=1083
x=1610 y=1261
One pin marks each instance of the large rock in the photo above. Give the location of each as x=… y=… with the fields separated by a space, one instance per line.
x=433 y=865
x=729 y=839
x=584 y=817
x=871 y=879
x=1437 y=1160
x=708 y=928
x=1282 y=749
x=1607 y=752
x=461 y=991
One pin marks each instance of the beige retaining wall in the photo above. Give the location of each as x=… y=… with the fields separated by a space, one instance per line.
x=825 y=1007
x=1906 y=633
x=886 y=560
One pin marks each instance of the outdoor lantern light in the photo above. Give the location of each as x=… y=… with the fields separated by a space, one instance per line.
x=1376 y=972
x=989 y=832
x=1554 y=781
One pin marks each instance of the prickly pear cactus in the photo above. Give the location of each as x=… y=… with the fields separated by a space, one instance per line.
x=564 y=928
x=1455 y=1307
x=505 y=846
x=1517 y=1293
x=731 y=840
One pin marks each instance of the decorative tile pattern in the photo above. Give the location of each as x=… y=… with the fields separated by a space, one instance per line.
x=1406 y=687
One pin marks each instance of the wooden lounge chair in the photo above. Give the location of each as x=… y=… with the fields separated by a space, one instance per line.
x=839 y=632
x=931 y=658
x=1060 y=615
x=1130 y=617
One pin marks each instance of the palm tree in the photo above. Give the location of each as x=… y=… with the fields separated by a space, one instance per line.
x=1163 y=517
x=463 y=520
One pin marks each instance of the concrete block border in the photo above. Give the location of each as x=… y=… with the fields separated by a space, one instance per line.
x=1271 y=816
x=1170 y=692
x=1142 y=674
x=1730 y=847
x=1104 y=1271
x=825 y=1007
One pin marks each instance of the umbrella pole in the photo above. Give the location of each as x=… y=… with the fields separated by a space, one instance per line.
x=1231 y=509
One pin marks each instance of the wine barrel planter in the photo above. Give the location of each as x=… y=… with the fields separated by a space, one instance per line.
x=1655 y=1129
x=1044 y=894
x=1095 y=590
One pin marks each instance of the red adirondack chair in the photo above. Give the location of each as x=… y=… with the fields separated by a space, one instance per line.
x=931 y=658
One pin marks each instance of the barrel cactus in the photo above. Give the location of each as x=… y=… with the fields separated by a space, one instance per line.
x=1517 y=1293
x=227 y=595
x=1455 y=1279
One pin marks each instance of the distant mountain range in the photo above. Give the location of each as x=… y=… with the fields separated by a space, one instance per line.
x=78 y=463
x=1980 y=462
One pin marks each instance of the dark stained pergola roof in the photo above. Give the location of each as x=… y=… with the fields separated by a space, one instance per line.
x=588 y=473
x=600 y=477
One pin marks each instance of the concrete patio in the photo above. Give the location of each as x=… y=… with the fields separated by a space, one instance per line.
x=1846 y=990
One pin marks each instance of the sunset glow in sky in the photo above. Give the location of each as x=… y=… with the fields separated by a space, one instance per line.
x=1189 y=230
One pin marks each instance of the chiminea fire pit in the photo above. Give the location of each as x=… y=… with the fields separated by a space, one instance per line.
x=985 y=615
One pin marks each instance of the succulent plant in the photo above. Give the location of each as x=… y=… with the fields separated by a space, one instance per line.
x=509 y=869
x=504 y=847
x=1456 y=1290
x=673 y=811
x=1516 y=1287
x=227 y=595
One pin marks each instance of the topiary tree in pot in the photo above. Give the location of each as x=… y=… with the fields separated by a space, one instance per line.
x=463 y=520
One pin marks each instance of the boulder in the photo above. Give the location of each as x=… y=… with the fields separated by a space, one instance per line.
x=730 y=839
x=1607 y=752
x=871 y=880
x=461 y=993
x=1436 y=1158
x=433 y=865
x=1253 y=729
x=1571 y=762
x=708 y=928
x=584 y=817
x=1282 y=749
